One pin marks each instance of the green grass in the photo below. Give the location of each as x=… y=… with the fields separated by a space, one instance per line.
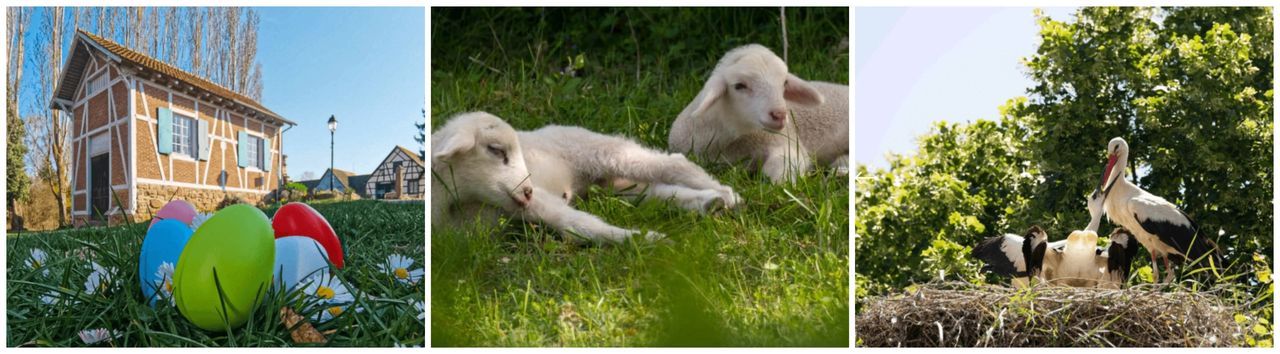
x=772 y=273
x=369 y=230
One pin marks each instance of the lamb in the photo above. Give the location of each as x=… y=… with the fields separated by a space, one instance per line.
x=741 y=114
x=482 y=167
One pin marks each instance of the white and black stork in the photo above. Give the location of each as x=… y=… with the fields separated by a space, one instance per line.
x=1161 y=227
x=1017 y=256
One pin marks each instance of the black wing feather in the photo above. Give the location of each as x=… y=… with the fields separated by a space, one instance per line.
x=993 y=258
x=1184 y=238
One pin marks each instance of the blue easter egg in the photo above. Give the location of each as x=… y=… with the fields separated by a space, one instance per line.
x=163 y=244
x=298 y=258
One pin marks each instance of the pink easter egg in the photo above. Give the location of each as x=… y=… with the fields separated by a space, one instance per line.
x=177 y=209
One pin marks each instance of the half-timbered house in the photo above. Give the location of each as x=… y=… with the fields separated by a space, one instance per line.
x=399 y=176
x=145 y=132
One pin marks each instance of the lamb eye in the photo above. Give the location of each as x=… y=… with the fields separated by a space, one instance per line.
x=739 y=86
x=499 y=152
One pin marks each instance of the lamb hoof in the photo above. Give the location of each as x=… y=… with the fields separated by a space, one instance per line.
x=652 y=236
x=716 y=202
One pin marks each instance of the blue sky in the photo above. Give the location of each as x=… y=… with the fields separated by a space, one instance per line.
x=915 y=66
x=363 y=65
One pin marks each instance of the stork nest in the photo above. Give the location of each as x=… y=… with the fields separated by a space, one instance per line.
x=956 y=314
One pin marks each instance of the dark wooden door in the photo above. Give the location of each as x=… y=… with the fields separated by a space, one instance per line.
x=382 y=189
x=99 y=184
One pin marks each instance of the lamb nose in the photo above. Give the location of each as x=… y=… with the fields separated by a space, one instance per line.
x=778 y=115
x=528 y=193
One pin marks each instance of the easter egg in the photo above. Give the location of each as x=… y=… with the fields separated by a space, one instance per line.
x=297 y=258
x=163 y=244
x=177 y=209
x=298 y=219
x=226 y=265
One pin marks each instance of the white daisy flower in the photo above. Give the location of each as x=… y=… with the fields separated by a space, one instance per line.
x=330 y=293
x=164 y=281
x=56 y=298
x=398 y=266
x=199 y=219
x=97 y=335
x=418 y=305
x=99 y=280
x=37 y=261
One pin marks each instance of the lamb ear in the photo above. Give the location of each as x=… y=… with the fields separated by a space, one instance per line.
x=799 y=91
x=711 y=91
x=452 y=146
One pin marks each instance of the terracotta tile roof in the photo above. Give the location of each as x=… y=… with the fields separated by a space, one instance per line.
x=150 y=63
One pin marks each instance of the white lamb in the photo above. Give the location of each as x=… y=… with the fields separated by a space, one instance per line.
x=741 y=114
x=482 y=167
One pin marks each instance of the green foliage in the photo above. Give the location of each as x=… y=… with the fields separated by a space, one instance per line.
x=1192 y=96
x=773 y=273
x=296 y=186
x=965 y=183
x=18 y=184
x=1179 y=84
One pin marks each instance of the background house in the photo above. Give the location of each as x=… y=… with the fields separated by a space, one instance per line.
x=146 y=132
x=342 y=182
x=399 y=176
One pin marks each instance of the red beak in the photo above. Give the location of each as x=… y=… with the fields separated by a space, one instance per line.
x=1106 y=173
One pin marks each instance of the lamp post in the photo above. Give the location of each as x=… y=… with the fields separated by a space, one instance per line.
x=333 y=125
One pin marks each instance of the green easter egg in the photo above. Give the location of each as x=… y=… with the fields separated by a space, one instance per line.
x=232 y=252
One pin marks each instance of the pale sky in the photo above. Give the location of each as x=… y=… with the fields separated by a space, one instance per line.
x=915 y=66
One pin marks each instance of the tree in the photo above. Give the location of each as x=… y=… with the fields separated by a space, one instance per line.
x=1190 y=94
x=18 y=183
x=421 y=138
x=965 y=182
x=307 y=176
x=49 y=134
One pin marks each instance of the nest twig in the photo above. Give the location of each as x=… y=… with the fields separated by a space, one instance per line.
x=965 y=315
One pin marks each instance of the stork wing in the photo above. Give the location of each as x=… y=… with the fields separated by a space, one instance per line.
x=1168 y=223
x=1002 y=255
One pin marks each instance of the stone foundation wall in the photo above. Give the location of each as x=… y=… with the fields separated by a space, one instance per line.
x=153 y=197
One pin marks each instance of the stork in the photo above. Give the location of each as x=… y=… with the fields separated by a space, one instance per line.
x=1119 y=255
x=1014 y=255
x=1161 y=227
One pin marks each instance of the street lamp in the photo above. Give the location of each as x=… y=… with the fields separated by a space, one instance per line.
x=333 y=126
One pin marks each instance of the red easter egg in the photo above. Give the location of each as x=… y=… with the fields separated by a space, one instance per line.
x=298 y=219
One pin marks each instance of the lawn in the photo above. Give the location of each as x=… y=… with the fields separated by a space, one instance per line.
x=774 y=272
x=369 y=230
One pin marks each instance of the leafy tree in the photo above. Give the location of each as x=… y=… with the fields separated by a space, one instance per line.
x=1190 y=89
x=966 y=182
x=1190 y=94
x=18 y=185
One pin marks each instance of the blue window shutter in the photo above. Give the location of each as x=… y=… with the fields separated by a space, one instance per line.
x=164 y=127
x=202 y=139
x=266 y=154
x=242 y=157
